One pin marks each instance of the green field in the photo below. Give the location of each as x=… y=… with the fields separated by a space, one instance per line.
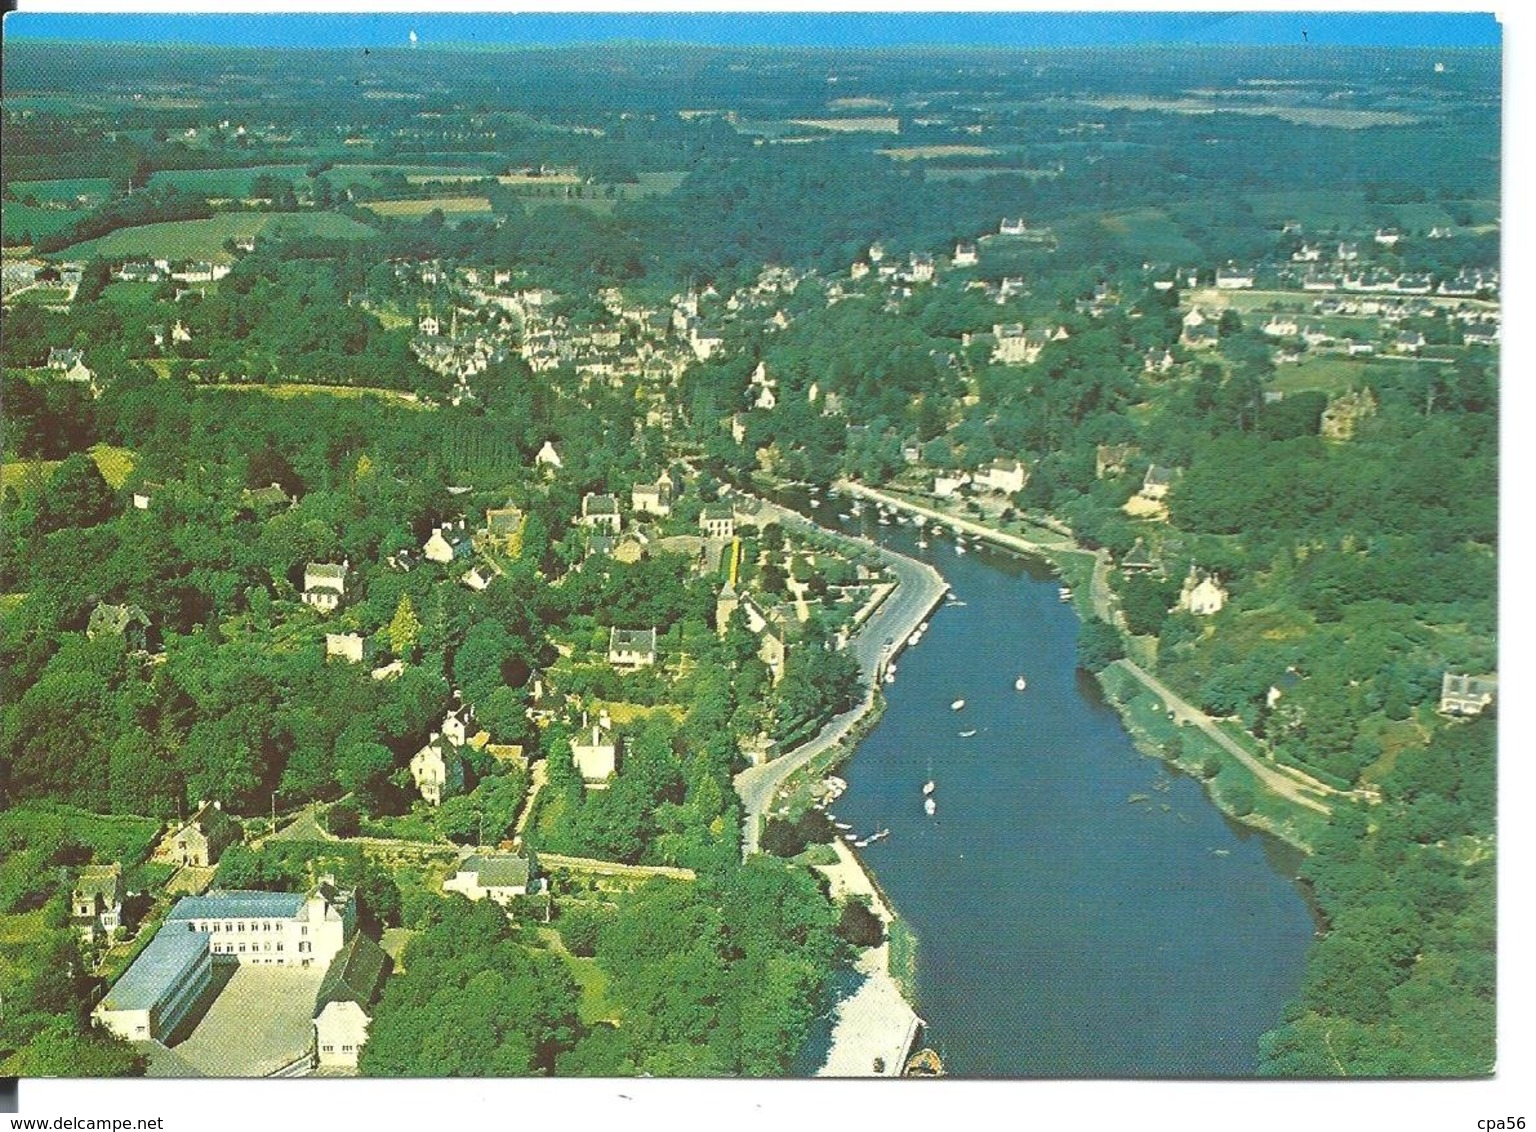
x=204 y=239
x=113 y=837
x=19 y=219
x=68 y=189
x=1328 y=375
x=1150 y=234
x=225 y=182
x=415 y=209
x=367 y=173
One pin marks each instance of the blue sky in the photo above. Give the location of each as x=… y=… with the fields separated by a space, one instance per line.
x=1023 y=29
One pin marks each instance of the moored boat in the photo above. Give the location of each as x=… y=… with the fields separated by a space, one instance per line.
x=957 y=705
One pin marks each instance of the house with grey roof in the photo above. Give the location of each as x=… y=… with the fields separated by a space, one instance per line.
x=601 y=512
x=127 y=621
x=344 y=1002
x=652 y=498
x=202 y=840
x=1157 y=481
x=1466 y=695
x=281 y=929
x=595 y=751
x=493 y=876
x=448 y=543
x=718 y=520
x=504 y=527
x=631 y=648
x=96 y=903
x=264 y=500
x=324 y=584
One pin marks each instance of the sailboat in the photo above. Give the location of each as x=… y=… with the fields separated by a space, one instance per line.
x=967 y=734
x=1020 y=684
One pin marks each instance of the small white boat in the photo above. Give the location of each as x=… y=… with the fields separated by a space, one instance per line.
x=1020 y=684
x=890 y=677
x=957 y=705
x=884 y=522
x=922 y=544
x=850 y=837
x=930 y=806
x=929 y=787
x=1065 y=593
x=967 y=734
x=959 y=548
x=923 y=628
x=842 y=825
x=884 y=833
x=914 y=638
x=844 y=516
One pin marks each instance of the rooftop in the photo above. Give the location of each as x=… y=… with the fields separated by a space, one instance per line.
x=220 y=904
x=158 y=969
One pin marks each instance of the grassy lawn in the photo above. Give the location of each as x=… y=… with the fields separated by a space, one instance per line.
x=1329 y=375
x=412 y=209
x=205 y=239
x=44 y=295
x=26 y=476
x=115 y=464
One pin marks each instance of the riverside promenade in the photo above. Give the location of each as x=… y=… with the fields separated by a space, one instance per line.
x=919 y=587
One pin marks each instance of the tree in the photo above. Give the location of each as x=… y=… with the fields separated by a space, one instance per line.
x=1098 y=645
x=404 y=628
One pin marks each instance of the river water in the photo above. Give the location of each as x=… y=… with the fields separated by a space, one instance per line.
x=1064 y=929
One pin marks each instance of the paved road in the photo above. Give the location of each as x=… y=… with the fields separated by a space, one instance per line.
x=1099 y=589
x=1281 y=784
x=919 y=587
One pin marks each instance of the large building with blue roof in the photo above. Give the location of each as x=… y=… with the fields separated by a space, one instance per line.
x=275 y=929
x=159 y=988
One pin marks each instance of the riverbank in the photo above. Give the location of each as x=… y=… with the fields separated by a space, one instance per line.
x=1288 y=806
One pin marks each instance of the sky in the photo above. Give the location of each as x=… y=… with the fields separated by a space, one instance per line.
x=837 y=29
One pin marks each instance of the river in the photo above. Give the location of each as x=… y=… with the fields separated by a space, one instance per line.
x=1064 y=929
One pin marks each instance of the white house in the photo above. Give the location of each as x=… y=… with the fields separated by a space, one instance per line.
x=1233 y=278
x=1015 y=227
x=652 y=498
x=1013 y=346
x=448 y=543
x=281 y=929
x=493 y=876
x=343 y=1003
x=601 y=512
x=1202 y=594
x=1006 y=476
x=717 y=520
x=595 y=751
x=631 y=648
x=324 y=585
x=965 y=255
x=1466 y=695
x=1281 y=326
x=437 y=770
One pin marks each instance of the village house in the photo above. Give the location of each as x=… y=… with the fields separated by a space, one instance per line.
x=437 y=770
x=479 y=577
x=601 y=512
x=772 y=650
x=1013 y=346
x=1006 y=476
x=718 y=520
x=965 y=255
x=1343 y=414
x=1307 y=253
x=595 y=751
x=1158 y=361
x=96 y=903
x=1233 y=278
x=346 y=996
x=548 y=457
x=202 y=839
x=1409 y=342
x=1157 y=481
x=1347 y=252
x=144 y=495
x=652 y=498
x=726 y=604
x=920 y=268
x=504 y=528
x=1111 y=459
x=324 y=585
x=1137 y=560
x=947 y=485
x=1202 y=594
x=354 y=648
x=1466 y=695
x=127 y=621
x=448 y=543
x=631 y=648
x=61 y=358
x=1388 y=237
x=1281 y=326
x=1011 y=227
x=284 y=929
x=499 y=877
x=264 y=500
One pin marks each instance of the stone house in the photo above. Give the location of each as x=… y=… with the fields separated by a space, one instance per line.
x=448 y=543
x=718 y=520
x=601 y=512
x=1466 y=695
x=437 y=770
x=324 y=585
x=201 y=841
x=595 y=751
x=96 y=904
x=493 y=876
x=1202 y=594
x=343 y=1003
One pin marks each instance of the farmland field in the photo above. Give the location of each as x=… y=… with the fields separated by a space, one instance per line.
x=871 y=125
x=68 y=189
x=1149 y=233
x=412 y=209
x=367 y=172
x=204 y=239
x=916 y=152
x=225 y=182
x=18 y=219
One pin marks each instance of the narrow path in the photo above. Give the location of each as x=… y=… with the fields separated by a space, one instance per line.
x=1283 y=785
